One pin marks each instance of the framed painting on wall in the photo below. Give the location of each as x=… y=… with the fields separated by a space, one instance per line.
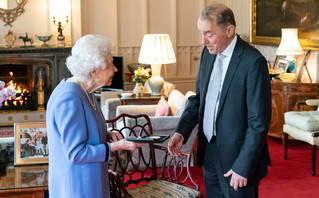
x=31 y=143
x=269 y=16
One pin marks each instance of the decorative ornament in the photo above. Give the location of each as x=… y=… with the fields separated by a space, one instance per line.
x=10 y=39
x=44 y=39
x=25 y=40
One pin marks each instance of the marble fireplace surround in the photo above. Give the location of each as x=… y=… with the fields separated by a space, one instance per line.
x=53 y=57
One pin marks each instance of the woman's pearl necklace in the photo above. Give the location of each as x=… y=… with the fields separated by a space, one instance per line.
x=92 y=103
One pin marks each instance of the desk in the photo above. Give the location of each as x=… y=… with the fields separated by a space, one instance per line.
x=23 y=182
x=284 y=98
x=145 y=99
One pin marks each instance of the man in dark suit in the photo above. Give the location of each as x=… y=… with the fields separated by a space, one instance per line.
x=232 y=106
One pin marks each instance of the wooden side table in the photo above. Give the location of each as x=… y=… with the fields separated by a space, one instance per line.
x=284 y=98
x=132 y=99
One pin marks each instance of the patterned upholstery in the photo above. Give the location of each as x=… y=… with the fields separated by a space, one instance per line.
x=162 y=189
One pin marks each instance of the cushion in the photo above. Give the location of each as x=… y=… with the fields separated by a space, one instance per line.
x=302 y=135
x=162 y=188
x=305 y=120
x=177 y=101
x=189 y=93
x=167 y=88
x=162 y=108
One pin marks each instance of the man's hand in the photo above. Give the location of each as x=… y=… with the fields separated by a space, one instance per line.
x=113 y=136
x=175 y=144
x=236 y=180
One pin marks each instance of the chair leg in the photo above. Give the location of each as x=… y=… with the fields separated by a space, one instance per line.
x=313 y=159
x=284 y=143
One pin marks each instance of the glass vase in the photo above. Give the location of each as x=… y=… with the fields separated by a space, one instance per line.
x=139 y=89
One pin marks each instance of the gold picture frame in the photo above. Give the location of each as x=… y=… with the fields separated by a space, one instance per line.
x=268 y=17
x=31 y=143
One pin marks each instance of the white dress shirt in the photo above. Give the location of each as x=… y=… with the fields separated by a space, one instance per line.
x=228 y=52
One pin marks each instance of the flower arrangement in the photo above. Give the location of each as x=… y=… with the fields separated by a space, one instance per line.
x=5 y=93
x=141 y=75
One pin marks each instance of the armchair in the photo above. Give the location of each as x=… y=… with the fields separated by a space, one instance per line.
x=303 y=126
x=127 y=170
x=165 y=125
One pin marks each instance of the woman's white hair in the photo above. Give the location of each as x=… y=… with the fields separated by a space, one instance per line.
x=88 y=53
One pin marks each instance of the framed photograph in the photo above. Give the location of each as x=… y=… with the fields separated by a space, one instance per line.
x=269 y=16
x=277 y=59
x=31 y=176
x=31 y=143
x=282 y=64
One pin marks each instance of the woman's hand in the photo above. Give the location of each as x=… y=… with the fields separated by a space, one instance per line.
x=125 y=145
x=113 y=136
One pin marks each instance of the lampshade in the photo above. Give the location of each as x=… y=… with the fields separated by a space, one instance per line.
x=289 y=44
x=156 y=49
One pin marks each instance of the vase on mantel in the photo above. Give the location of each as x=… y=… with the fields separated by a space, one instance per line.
x=139 y=89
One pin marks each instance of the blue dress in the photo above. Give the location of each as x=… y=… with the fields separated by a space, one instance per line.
x=76 y=135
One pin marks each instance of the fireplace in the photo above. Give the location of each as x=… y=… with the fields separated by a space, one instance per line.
x=30 y=81
x=34 y=73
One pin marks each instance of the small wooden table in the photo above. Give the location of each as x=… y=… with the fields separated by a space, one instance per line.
x=145 y=99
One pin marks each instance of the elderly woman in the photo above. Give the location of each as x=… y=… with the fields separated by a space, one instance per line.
x=76 y=128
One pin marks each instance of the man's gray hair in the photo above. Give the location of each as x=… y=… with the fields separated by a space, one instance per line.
x=219 y=13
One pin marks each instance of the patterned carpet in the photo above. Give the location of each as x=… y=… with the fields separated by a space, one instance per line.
x=6 y=131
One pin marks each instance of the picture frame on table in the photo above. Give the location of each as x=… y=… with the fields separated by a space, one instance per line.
x=31 y=176
x=282 y=64
x=31 y=143
x=268 y=17
x=277 y=59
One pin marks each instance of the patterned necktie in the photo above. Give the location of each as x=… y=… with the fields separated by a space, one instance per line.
x=213 y=92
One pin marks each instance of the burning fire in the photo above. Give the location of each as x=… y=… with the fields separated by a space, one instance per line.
x=21 y=94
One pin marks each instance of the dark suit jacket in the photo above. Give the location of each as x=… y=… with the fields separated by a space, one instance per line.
x=243 y=114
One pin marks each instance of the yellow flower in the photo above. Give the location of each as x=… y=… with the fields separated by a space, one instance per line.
x=141 y=74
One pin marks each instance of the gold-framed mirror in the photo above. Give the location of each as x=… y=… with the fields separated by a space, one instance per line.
x=11 y=9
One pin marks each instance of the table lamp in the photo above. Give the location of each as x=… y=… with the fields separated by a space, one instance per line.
x=289 y=45
x=156 y=50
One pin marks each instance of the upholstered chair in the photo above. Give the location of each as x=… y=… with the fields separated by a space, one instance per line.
x=139 y=166
x=165 y=125
x=303 y=126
